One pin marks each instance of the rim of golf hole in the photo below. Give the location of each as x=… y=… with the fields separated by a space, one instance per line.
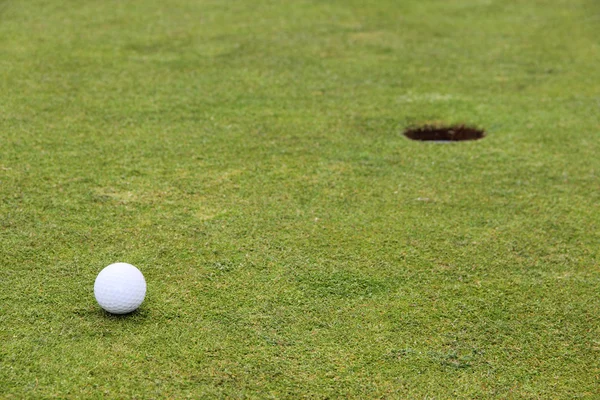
x=443 y=133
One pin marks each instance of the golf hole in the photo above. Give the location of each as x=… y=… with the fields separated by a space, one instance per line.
x=434 y=133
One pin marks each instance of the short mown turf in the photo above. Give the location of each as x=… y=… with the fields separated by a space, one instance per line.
x=248 y=157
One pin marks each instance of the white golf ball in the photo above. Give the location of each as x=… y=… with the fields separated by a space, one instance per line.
x=120 y=288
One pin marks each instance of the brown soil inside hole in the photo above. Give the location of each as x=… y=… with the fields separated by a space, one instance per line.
x=453 y=133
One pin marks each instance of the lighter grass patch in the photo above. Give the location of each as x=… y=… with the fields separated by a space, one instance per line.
x=112 y=195
x=427 y=98
x=206 y=213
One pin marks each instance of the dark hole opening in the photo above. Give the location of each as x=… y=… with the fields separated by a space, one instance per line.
x=454 y=133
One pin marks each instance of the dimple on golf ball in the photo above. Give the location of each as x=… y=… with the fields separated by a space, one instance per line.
x=120 y=288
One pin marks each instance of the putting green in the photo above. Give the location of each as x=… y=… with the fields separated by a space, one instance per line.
x=249 y=159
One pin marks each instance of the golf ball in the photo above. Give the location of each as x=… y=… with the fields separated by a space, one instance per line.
x=120 y=288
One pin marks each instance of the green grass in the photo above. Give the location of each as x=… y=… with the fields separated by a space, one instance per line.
x=248 y=157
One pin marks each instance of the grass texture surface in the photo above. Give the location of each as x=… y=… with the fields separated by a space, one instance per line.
x=248 y=157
